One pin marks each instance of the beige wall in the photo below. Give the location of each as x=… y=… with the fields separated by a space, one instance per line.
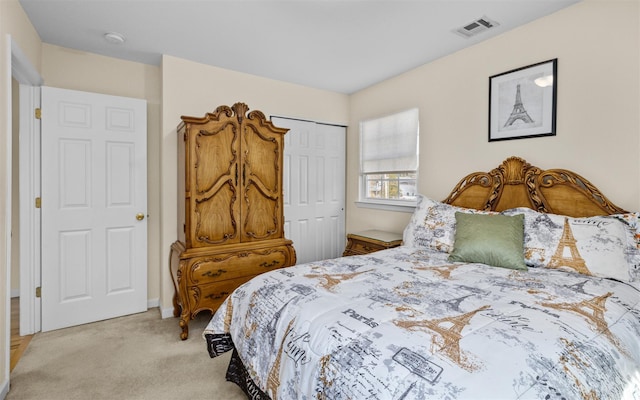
x=78 y=70
x=194 y=89
x=597 y=45
x=14 y=22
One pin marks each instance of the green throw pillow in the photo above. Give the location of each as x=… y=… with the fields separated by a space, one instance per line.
x=496 y=240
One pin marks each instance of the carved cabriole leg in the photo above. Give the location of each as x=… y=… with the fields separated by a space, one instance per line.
x=174 y=268
x=185 y=315
x=184 y=324
x=176 y=306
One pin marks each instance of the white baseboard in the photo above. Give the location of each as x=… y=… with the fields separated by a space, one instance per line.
x=4 y=390
x=166 y=312
x=153 y=303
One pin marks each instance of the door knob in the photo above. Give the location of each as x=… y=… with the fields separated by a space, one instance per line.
x=139 y=216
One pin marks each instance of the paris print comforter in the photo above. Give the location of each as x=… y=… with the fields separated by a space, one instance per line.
x=406 y=323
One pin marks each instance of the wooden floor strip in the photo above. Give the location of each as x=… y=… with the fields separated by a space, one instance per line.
x=18 y=343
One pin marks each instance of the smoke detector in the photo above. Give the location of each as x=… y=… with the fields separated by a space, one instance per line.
x=114 y=37
x=477 y=26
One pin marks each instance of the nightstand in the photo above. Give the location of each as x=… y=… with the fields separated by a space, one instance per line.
x=371 y=241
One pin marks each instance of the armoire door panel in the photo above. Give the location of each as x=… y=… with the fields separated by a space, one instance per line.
x=261 y=215
x=262 y=159
x=216 y=218
x=262 y=183
x=216 y=213
x=215 y=157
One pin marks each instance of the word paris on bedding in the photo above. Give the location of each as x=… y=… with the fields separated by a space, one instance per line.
x=523 y=284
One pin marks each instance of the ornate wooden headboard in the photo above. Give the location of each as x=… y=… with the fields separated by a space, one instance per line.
x=516 y=183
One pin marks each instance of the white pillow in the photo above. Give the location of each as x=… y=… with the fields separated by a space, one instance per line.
x=633 y=220
x=433 y=225
x=603 y=246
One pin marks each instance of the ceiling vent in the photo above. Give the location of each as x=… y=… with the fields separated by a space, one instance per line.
x=477 y=26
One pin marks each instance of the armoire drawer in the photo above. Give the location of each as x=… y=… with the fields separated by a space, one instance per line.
x=218 y=267
x=211 y=295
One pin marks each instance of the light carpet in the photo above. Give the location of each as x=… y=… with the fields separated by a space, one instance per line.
x=139 y=356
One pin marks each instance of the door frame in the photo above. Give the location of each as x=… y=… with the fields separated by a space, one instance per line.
x=29 y=174
x=30 y=216
x=18 y=66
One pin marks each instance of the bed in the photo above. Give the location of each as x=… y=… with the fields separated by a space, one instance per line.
x=523 y=283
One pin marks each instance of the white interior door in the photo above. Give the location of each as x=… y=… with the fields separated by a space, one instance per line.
x=94 y=227
x=314 y=188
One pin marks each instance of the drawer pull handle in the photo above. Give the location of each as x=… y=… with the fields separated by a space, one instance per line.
x=270 y=265
x=212 y=274
x=216 y=296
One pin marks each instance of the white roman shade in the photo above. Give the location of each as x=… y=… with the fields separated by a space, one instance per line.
x=390 y=144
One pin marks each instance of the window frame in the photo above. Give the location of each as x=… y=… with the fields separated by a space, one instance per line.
x=403 y=205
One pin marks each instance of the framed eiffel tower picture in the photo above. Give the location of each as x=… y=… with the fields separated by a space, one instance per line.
x=522 y=102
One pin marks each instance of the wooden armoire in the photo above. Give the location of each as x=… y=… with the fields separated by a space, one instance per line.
x=230 y=206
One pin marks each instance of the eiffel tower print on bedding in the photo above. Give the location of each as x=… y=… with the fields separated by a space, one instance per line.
x=408 y=323
x=390 y=326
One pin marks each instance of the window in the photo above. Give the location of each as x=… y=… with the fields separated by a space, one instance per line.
x=389 y=159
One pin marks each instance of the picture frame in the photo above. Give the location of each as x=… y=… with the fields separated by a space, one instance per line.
x=522 y=102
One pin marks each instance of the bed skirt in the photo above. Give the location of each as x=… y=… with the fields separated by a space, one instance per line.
x=236 y=372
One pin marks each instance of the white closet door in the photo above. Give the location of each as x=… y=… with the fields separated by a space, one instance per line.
x=314 y=188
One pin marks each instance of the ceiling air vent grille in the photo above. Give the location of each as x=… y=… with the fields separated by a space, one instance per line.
x=477 y=26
